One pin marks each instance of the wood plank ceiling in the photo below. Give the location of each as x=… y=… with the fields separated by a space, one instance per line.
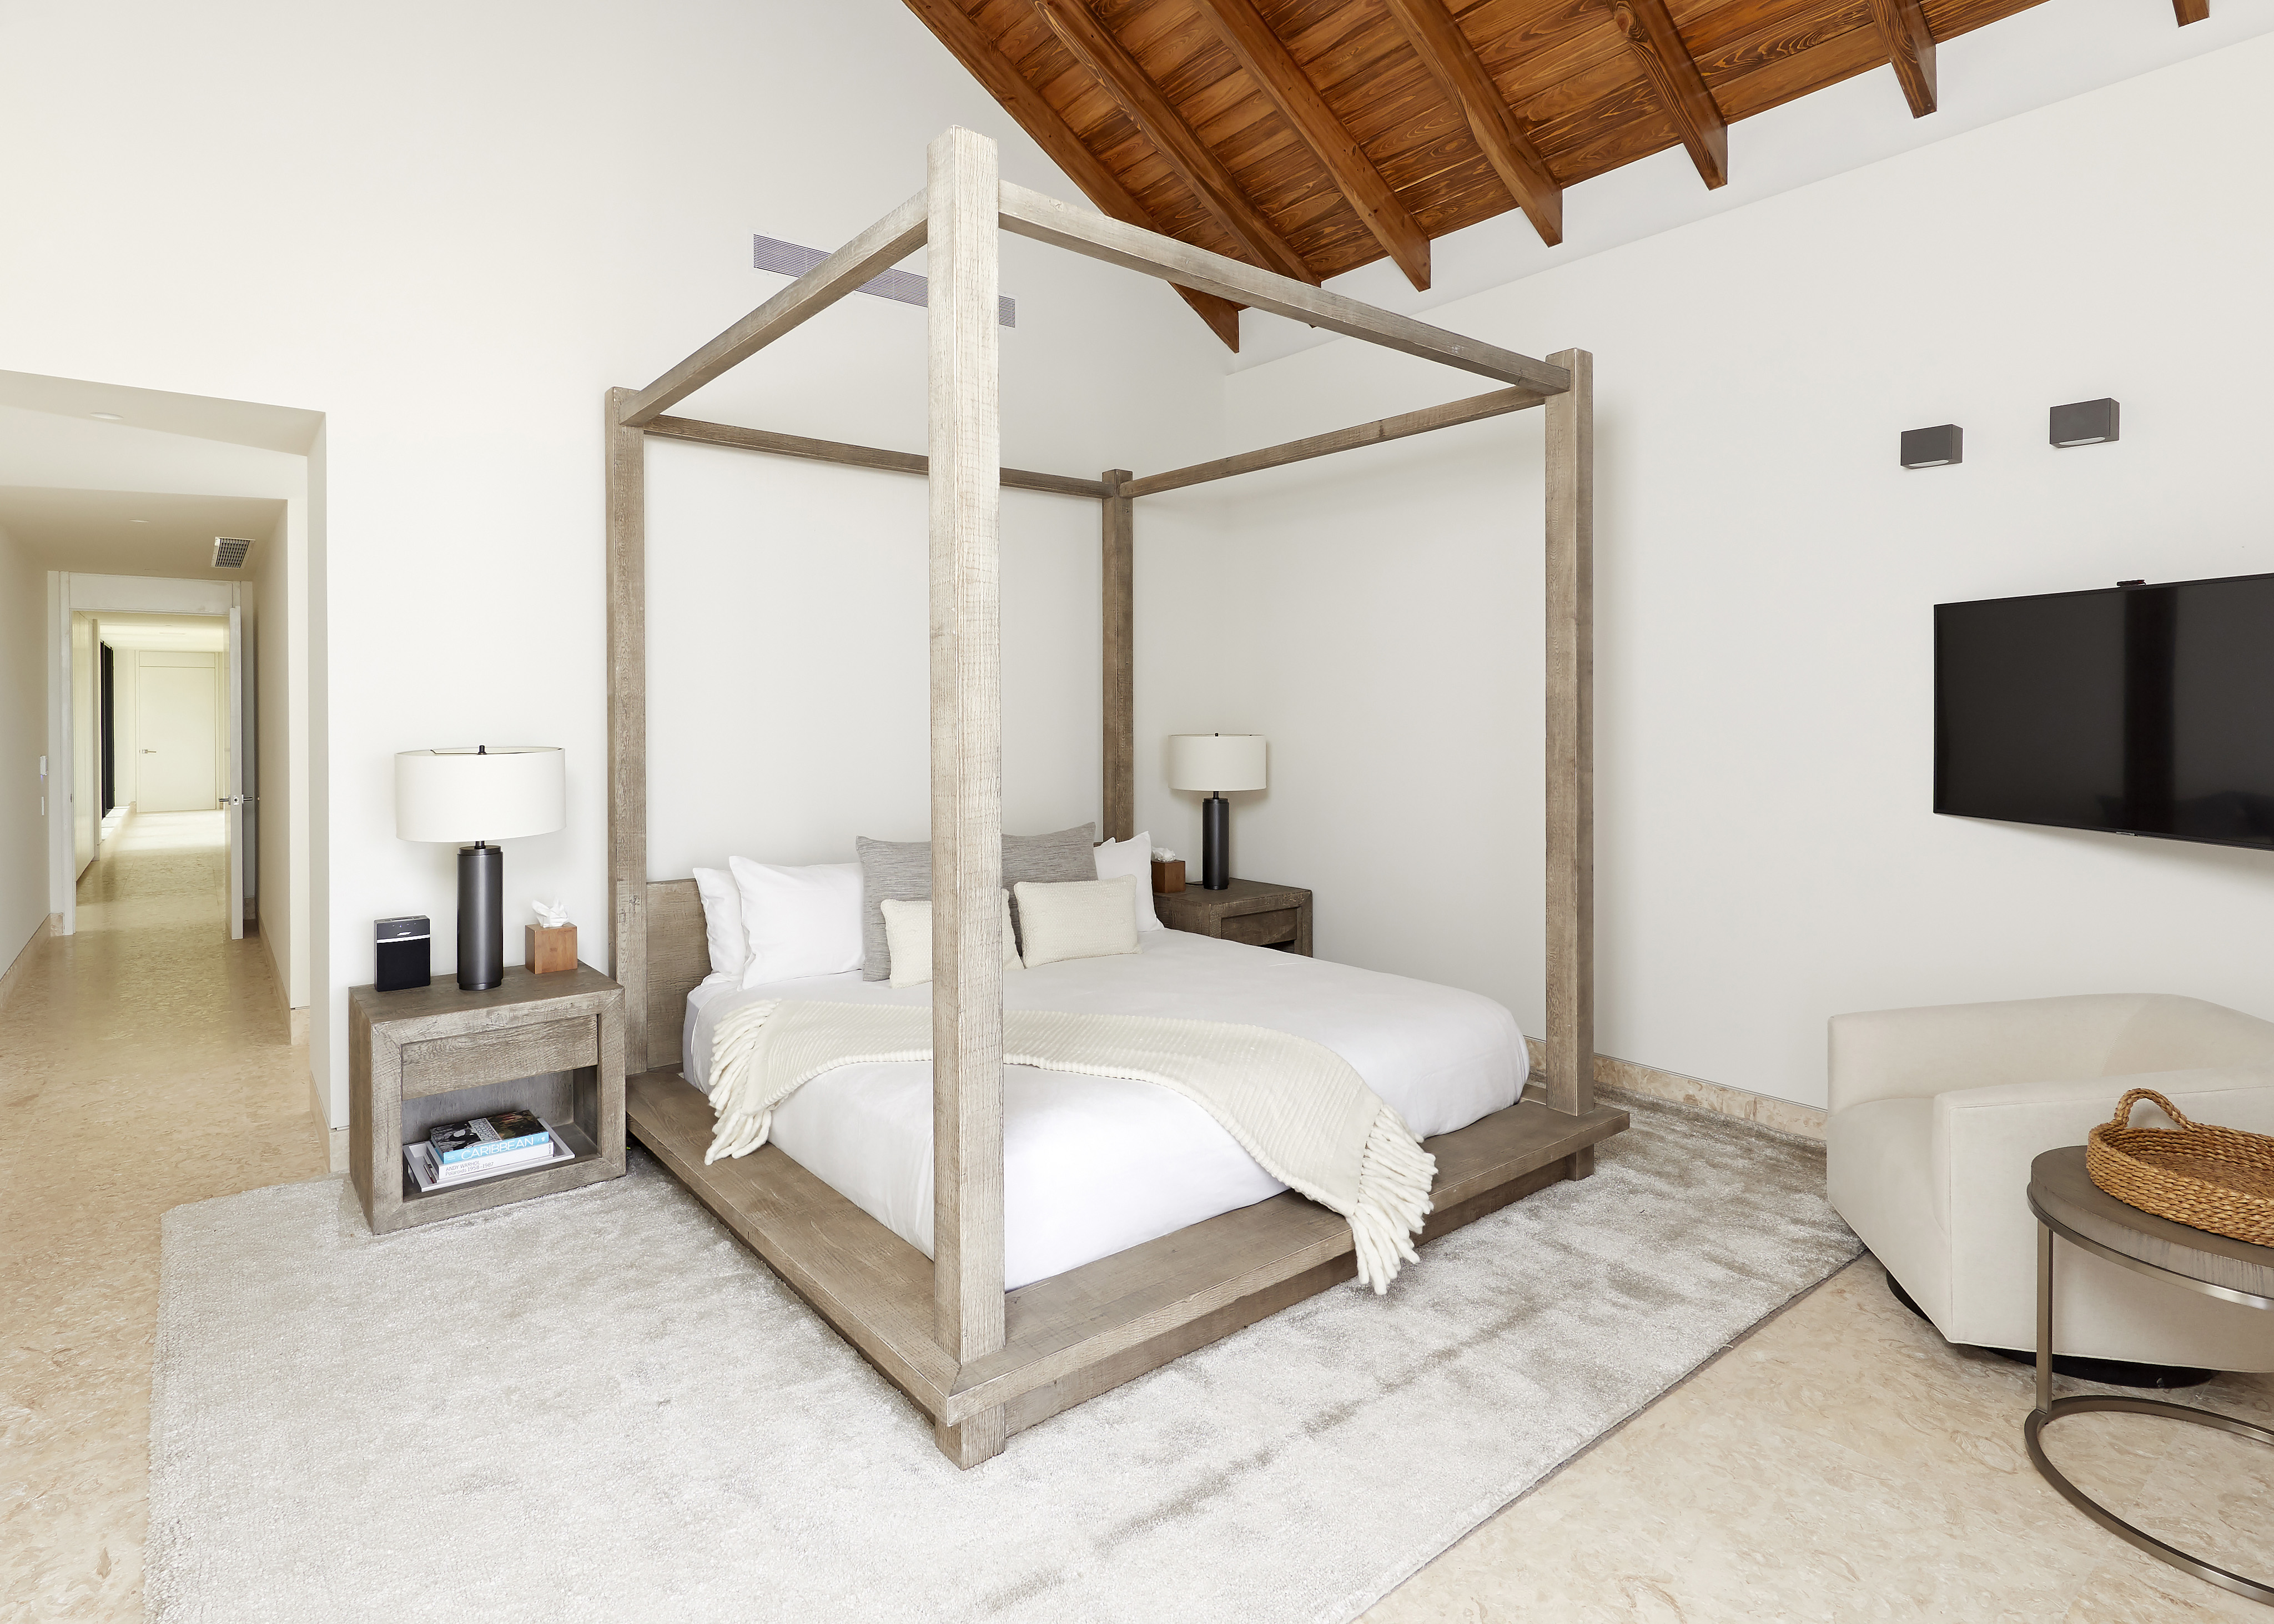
x=1312 y=137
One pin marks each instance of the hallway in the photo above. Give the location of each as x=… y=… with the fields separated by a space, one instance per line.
x=143 y=1063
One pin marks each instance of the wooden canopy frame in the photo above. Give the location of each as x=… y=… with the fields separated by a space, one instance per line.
x=981 y=1363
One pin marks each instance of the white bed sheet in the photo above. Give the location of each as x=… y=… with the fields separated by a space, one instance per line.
x=1093 y=1166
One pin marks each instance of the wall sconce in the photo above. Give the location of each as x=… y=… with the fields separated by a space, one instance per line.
x=2084 y=423
x=1935 y=447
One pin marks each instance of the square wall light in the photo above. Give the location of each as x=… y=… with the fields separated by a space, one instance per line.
x=1936 y=448
x=2084 y=423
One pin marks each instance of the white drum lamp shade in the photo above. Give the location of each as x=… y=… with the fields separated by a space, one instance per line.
x=1216 y=761
x=474 y=794
x=479 y=793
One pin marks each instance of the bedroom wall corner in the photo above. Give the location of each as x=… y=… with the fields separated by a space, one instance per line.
x=1767 y=853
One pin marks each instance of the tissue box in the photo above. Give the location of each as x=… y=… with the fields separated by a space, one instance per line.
x=550 y=947
x=1169 y=876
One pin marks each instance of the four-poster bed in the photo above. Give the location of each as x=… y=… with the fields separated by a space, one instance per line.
x=982 y=1363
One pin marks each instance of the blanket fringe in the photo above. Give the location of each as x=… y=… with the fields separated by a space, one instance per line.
x=742 y=1124
x=1393 y=1200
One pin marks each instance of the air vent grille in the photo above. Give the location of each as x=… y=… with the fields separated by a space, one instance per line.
x=229 y=553
x=770 y=253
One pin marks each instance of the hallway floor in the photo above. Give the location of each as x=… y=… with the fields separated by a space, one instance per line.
x=1839 y=1462
x=143 y=1063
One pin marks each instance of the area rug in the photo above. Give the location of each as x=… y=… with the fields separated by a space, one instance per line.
x=599 y=1406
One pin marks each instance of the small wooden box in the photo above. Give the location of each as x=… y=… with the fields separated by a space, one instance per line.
x=550 y=948
x=1169 y=876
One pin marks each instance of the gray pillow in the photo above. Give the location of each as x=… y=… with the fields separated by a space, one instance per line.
x=900 y=871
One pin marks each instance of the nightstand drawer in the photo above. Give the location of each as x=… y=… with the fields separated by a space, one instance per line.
x=1262 y=929
x=442 y=1064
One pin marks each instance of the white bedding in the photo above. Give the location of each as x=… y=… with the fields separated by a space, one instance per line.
x=1093 y=1166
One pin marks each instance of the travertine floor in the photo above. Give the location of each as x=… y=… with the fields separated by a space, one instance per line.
x=1839 y=1463
x=1843 y=1462
x=142 y=1065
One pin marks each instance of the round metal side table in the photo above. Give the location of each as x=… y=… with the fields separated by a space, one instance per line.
x=2068 y=1204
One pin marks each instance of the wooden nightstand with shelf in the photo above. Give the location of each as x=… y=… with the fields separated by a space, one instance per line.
x=551 y=1044
x=1245 y=911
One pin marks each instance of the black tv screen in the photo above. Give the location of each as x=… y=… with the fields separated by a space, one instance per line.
x=2142 y=710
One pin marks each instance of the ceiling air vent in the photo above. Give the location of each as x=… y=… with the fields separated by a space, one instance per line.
x=229 y=553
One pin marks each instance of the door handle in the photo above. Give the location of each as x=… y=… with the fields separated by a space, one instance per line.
x=147 y=750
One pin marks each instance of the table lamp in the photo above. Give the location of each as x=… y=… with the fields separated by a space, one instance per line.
x=1216 y=762
x=479 y=794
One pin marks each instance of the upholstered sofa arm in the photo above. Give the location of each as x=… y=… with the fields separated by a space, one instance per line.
x=1984 y=1140
x=1915 y=1054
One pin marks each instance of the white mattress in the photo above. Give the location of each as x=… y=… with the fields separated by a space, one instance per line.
x=1093 y=1166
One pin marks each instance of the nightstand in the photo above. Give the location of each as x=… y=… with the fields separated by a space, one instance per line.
x=551 y=1044
x=1245 y=911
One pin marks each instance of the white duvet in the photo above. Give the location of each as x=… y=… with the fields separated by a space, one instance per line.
x=1093 y=1166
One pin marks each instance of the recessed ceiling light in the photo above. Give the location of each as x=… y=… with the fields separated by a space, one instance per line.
x=106 y=416
x=137 y=521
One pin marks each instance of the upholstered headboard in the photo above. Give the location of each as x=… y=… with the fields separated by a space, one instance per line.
x=678 y=959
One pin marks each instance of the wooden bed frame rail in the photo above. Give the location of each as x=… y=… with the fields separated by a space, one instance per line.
x=982 y=1363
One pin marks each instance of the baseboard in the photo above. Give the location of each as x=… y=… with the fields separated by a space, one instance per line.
x=296 y=1022
x=1632 y=1077
x=335 y=1139
x=22 y=961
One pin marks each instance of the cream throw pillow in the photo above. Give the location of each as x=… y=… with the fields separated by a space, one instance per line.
x=1081 y=919
x=908 y=938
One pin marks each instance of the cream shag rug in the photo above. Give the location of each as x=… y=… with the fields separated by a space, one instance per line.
x=599 y=1406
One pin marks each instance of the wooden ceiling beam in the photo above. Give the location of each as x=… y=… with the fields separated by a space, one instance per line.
x=2190 y=10
x=1049 y=220
x=971 y=47
x=1910 y=49
x=1656 y=44
x=1190 y=158
x=1453 y=61
x=1281 y=77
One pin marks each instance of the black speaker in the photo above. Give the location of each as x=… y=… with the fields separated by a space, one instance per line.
x=405 y=952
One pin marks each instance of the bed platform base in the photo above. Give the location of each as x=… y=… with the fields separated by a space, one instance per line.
x=1088 y=1330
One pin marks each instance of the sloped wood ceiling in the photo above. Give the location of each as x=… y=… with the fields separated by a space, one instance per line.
x=1316 y=136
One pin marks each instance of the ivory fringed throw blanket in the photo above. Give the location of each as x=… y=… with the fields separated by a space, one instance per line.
x=1296 y=1106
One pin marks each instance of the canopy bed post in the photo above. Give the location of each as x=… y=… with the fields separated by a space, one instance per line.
x=1571 y=644
x=982 y=1364
x=967 y=774
x=1117 y=572
x=627 y=502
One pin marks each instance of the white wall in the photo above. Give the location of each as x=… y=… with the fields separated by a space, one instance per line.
x=86 y=738
x=23 y=741
x=280 y=722
x=1765 y=854
x=453 y=254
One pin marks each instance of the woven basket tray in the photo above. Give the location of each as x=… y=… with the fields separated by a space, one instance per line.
x=2207 y=1177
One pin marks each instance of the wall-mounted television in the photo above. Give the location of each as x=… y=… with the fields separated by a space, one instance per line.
x=2136 y=709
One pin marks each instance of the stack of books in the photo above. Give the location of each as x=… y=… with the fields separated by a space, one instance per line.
x=458 y=1153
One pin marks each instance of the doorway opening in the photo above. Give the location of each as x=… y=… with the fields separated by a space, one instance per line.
x=169 y=736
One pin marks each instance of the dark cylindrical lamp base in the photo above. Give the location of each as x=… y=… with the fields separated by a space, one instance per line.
x=1216 y=844
x=481 y=917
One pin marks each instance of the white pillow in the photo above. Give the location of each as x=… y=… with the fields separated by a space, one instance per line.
x=908 y=938
x=722 y=922
x=1133 y=858
x=1081 y=919
x=798 y=922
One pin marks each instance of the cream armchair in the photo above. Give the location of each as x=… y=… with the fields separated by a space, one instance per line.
x=1936 y=1115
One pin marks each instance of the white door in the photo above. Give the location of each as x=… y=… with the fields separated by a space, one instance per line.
x=177 y=711
x=233 y=793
